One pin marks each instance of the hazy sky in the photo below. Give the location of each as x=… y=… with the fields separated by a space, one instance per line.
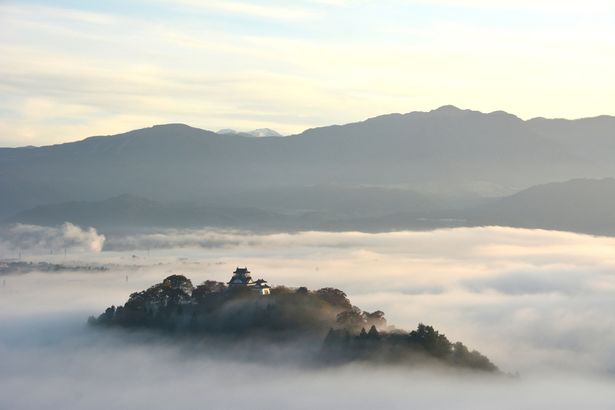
x=70 y=69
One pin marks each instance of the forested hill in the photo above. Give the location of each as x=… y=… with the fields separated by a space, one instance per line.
x=256 y=313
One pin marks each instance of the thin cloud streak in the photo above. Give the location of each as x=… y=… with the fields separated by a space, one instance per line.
x=266 y=11
x=212 y=72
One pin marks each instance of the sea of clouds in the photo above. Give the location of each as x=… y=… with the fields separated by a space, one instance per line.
x=536 y=302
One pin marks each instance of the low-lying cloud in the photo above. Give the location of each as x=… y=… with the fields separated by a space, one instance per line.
x=533 y=301
x=35 y=238
x=73 y=369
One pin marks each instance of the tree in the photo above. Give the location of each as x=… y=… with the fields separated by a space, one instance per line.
x=461 y=356
x=431 y=340
x=179 y=282
x=351 y=319
x=281 y=290
x=373 y=333
x=334 y=297
x=207 y=288
x=375 y=319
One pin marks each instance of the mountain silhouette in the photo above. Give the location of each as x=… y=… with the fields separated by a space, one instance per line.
x=445 y=158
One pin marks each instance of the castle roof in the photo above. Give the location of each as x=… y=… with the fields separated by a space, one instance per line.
x=241 y=277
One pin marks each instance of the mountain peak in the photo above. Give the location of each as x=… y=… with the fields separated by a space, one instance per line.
x=452 y=110
x=227 y=131
x=260 y=132
x=172 y=125
x=264 y=132
x=447 y=109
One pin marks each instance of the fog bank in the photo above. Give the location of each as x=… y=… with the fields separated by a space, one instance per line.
x=536 y=302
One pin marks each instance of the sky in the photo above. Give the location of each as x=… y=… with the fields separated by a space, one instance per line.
x=72 y=69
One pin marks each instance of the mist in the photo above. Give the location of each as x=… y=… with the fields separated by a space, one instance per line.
x=430 y=225
x=44 y=239
x=533 y=301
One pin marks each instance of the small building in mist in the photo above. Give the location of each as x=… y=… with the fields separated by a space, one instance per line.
x=241 y=278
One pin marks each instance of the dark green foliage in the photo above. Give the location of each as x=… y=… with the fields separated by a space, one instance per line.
x=179 y=282
x=354 y=319
x=214 y=309
x=281 y=290
x=373 y=333
x=423 y=344
x=375 y=319
x=207 y=288
x=334 y=297
x=463 y=357
x=431 y=340
x=351 y=319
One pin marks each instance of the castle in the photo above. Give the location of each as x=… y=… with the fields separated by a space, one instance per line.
x=241 y=277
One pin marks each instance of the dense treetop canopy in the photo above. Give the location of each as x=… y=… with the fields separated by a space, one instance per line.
x=325 y=316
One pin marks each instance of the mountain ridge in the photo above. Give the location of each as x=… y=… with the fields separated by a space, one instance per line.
x=442 y=109
x=579 y=205
x=443 y=153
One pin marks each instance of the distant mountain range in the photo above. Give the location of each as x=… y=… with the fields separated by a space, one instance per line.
x=136 y=212
x=580 y=205
x=260 y=132
x=584 y=206
x=420 y=163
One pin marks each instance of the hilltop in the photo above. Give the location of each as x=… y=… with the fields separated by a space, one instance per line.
x=250 y=310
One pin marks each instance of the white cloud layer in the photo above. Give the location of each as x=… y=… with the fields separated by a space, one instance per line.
x=70 y=369
x=534 y=301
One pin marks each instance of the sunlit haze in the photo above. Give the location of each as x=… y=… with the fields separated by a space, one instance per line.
x=311 y=204
x=72 y=69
